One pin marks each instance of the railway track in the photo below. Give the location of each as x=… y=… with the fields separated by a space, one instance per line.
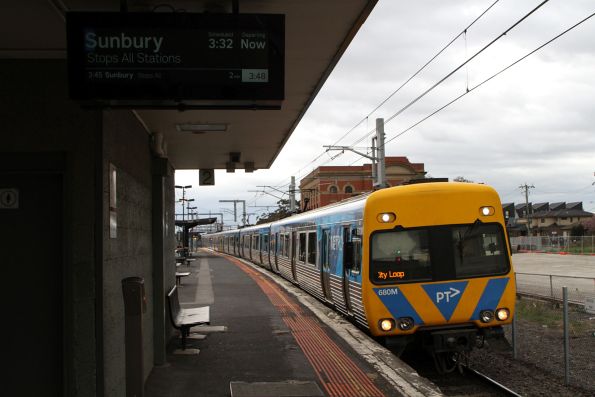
x=464 y=382
x=486 y=379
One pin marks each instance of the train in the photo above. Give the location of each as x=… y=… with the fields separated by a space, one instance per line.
x=421 y=264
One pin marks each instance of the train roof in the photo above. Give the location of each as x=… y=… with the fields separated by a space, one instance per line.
x=357 y=201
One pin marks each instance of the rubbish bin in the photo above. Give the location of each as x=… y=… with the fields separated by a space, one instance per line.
x=133 y=289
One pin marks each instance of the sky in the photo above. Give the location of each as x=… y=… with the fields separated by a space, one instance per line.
x=532 y=124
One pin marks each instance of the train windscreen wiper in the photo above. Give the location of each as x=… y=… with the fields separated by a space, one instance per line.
x=469 y=232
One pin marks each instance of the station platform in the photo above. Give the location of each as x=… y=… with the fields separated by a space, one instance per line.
x=267 y=338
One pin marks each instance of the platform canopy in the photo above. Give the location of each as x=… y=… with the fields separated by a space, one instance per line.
x=317 y=34
x=189 y=224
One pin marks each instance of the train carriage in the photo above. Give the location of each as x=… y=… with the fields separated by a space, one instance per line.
x=426 y=263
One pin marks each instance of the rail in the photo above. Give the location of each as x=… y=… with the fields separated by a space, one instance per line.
x=491 y=381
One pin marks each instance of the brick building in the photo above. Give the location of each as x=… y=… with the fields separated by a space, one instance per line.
x=326 y=185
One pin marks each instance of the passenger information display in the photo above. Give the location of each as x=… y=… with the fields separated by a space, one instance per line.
x=175 y=57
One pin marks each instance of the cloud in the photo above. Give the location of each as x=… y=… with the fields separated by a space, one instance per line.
x=534 y=123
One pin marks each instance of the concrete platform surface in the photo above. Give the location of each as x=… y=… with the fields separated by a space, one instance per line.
x=269 y=338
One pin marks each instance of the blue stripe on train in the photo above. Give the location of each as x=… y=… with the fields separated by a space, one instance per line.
x=446 y=296
x=397 y=304
x=491 y=296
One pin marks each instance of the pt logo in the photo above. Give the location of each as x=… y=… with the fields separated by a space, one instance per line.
x=451 y=293
x=446 y=296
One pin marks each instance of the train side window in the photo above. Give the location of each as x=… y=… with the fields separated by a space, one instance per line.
x=282 y=245
x=302 y=247
x=287 y=244
x=312 y=248
x=265 y=242
x=357 y=255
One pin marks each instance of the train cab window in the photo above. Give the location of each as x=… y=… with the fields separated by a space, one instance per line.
x=479 y=250
x=302 y=248
x=398 y=256
x=312 y=248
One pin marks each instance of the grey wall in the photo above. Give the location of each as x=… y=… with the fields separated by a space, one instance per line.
x=36 y=116
x=127 y=147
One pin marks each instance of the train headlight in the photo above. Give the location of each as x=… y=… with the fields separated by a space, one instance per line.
x=386 y=217
x=486 y=316
x=487 y=211
x=405 y=323
x=386 y=324
x=502 y=314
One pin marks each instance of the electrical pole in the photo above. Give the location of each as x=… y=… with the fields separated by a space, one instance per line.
x=381 y=172
x=377 y=157
x=292 y=195
x=526 y=188
x=235 y=218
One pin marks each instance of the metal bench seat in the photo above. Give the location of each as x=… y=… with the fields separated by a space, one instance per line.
x=185 y=318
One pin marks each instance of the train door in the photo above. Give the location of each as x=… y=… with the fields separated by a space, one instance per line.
x=346 y=271
x=293 y=253
x=250 y=246
x=325 y=264
x=274 y=252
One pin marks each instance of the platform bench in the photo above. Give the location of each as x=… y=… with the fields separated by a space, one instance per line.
x=184 y=319
x=179 y=276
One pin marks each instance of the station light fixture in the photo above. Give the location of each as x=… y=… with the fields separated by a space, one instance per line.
x=234 y=157
x=249 y=166
x=200 y=128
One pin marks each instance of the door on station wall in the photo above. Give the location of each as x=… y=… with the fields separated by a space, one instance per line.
x=31 y=273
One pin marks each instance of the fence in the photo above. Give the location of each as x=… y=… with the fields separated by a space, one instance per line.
x=569 y=244
x=550 y=286
x=557 y=338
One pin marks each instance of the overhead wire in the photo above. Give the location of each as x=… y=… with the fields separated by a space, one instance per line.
x=452 y=72
x=383 y=102
x=490 y=78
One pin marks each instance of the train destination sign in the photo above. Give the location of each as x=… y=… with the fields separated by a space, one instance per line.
x=176 y=59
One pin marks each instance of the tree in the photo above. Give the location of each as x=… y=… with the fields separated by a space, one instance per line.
x=462 y=179
x=281 y=212
x=578 y=230
x=589 y=225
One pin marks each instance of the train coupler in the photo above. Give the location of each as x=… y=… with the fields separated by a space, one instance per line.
x=455 y=340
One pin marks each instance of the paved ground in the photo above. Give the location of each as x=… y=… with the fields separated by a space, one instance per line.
x=274 y=343
x=556 y=264
x=546 y=274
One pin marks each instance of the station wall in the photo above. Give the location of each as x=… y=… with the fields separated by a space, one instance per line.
x=42 y=131
x=38 y=122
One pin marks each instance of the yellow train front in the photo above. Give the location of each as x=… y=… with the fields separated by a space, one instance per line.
x=437 y=267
